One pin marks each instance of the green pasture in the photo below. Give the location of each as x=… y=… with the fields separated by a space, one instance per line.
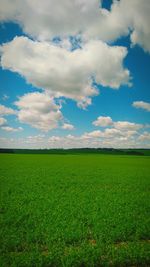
x=75 y=210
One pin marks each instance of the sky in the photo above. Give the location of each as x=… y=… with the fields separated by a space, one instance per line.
x=74 y=74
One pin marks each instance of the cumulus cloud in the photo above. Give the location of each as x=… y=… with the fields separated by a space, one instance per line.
x=34 y=139
x=50 y=18
x=66 y=73
x=110 y=138
x=142 y=105
x=93 y=134
x=109 y=133
x=144 y=137
x=62 y=71
x=107 y=138
x=127 y=126
x=4 y=111
x=67 y=126
x=127 y=17
x=103 y=121
x=39 y=110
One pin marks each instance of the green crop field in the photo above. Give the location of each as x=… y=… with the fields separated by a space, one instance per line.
x=75 y=210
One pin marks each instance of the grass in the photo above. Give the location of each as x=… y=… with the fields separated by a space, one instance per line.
x=75 y=210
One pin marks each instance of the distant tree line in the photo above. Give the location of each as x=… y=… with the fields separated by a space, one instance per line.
x=113 y=151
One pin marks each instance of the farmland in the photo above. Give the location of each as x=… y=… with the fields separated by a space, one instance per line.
x=75 y=210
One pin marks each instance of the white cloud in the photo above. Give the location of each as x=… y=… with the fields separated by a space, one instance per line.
x=93 y=134
x=144 y=137
x=127 y=126
x=39 y=110
x=109 y=134
x=4 y=111
x=61 y=72
x=50 y=18
x=54 y=139
x=140 y=21
x=127 y=17
x=41 y=19
x=117 y=125
x=103 y=121
x=142 y=105
x=67 y=126
x=66 y=73
x=11 y=129
x=2 y=121
x=110 y=138
x=34 y=139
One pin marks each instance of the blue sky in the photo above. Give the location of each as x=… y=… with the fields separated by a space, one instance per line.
x=60 y=110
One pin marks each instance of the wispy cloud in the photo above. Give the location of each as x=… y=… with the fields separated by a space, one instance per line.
x=11 y=129
x=4 y=111
x=142 y=105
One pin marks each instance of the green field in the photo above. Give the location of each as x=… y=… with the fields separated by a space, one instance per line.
x=75 y=210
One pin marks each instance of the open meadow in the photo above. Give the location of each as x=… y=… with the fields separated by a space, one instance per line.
x=75 y=210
